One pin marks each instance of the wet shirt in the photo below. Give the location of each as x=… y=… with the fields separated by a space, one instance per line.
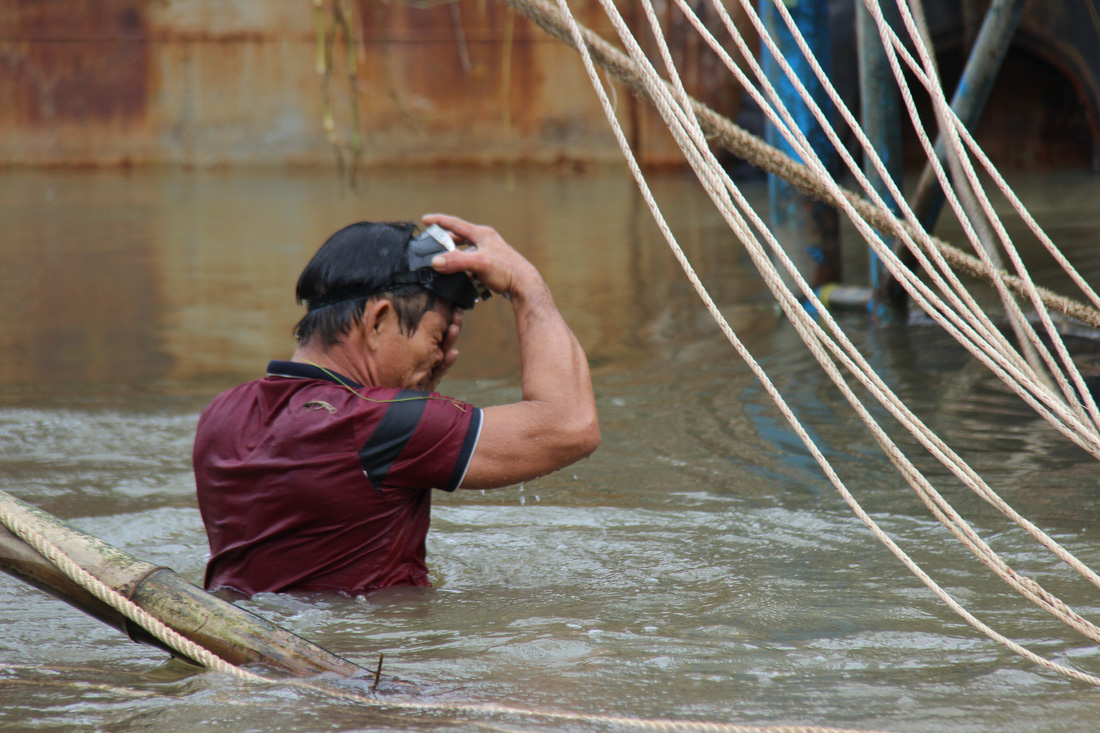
x=308 y=481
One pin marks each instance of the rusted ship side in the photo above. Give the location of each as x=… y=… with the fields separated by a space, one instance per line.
x=194 y=83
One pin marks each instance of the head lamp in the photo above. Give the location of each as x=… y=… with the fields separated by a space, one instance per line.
x=460 y=288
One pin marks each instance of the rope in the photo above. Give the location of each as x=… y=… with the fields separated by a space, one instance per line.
x=1071 y=619
x=724 y=133
x=1011 y=373
x=871 y=373
x=691 y=137
x=898 y=46
x=924 y=297
x=957 y=154
x=968 y=476
x=985 y=329
x=1028 y=341
x=1013 y=376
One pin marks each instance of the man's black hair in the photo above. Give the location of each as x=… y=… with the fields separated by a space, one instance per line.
x=354 y=265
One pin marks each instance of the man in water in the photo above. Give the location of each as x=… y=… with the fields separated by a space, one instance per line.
x=318 y=477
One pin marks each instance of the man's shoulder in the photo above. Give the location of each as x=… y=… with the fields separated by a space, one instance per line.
x=236 y=395
x=277 y=396
x=268 y=398
x=276 y=391
x=278 y=411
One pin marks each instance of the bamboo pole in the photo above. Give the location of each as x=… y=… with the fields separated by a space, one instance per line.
x=235 y=635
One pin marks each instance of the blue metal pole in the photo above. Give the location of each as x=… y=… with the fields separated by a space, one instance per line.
x=970 y=95
x=806 y=228
x=880 y=111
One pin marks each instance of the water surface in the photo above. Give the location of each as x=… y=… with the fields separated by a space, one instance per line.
x=698 y=566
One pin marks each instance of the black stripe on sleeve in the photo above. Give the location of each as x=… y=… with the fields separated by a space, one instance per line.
x=473 y=432
x=392 y=435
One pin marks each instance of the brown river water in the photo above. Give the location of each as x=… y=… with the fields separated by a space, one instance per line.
x=699 y=566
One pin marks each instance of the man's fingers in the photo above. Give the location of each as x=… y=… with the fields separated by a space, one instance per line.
x=499 y=267
x=494 y=273
x=457 y=261
x=451 y=337
x=464 y=229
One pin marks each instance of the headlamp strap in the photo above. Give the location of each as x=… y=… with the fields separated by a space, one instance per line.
x=421 y=277
x=323 y=301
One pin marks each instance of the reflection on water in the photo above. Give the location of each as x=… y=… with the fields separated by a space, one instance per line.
x=116 y=277
x=698 y=566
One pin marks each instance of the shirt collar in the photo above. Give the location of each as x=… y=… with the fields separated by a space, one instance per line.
x=298 y=370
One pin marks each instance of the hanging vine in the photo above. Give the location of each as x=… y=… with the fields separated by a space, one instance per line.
x=338 y=31
x=332 y=19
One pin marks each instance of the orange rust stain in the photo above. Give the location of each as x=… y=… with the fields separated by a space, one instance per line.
x=74 y=60
x=444 y=64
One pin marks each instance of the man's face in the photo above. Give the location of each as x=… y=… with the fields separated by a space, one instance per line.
x=406 y=361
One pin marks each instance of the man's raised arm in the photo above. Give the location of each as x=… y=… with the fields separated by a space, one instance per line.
x=555 y=424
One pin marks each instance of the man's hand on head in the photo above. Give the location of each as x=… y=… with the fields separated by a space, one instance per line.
x=555 y=423
x=499 y=267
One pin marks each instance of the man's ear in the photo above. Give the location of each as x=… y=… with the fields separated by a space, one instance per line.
x=378 y=316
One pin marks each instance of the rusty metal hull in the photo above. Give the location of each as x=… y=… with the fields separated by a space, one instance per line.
x=189 y=82
x=194 y=83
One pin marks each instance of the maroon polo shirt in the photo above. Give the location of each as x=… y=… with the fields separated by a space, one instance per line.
x=308 y=481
